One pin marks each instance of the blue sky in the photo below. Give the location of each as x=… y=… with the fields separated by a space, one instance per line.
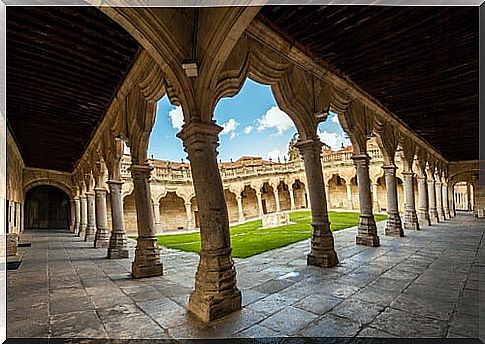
x=253 y=125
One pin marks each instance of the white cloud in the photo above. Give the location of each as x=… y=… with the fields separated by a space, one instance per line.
x=177 y=117
x=275 y=118
x=335 y=119
x=334 y=140
x=248 y=129
x=275 y=154
x=230 y=128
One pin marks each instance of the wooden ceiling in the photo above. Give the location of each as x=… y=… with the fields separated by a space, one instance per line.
x=421 y=63
x=64 y=66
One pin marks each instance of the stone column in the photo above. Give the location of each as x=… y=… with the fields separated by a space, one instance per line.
x=260 y=203
x=84 y=215
x=101 y=239
x=348 y=187
x=367 y=229
x=91 y=226
x=215 y=293
x=156 y=217
x=375 y=196
x=433 y=214
x=190 y=219
x=439 y=201
x=393 y=224
x=77 y=214
x=452 y=202
x=292 y=198
x=72 y=226
x=446 y=201
x=322 y=251
x=410 y=216
x=147 y=254
x=423 y=210
x=277 y=199
x=240 y=208
x=327 y=194
x=118 y=248
x=468 y=198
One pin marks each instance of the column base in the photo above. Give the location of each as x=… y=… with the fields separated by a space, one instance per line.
x=147 y=259
x=82 y=231
x=433 y=216
x=367 y=231
x=215 y=294
x=447 y=214
x=423 y=217
x=441 y=215
x=101 y=239
x=118 y=253
x=411 y=220
x=322 y=247
x=90 y=233
x=394 y=225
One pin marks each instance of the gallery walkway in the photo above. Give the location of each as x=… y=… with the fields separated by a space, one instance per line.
x=423 y=285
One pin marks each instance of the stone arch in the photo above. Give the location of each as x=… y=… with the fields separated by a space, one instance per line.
x=284 y=196
x=355 y=192
x=129 y=213
x=381 y=193
x=267 y=198
x=337 y=193
x=172 y=212
x=299 y=193
x=250 y=202
x=231 y=203
x=46 y=207
x=400 y=193
x=49 y=182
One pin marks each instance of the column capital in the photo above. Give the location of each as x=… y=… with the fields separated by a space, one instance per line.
x=408 y=174
x=238 y=197
x=100 y=190
x=389 y=168
x=198 y=134
x=188 y=204
x=140 y=172
x=114 y=182
x=360 y=157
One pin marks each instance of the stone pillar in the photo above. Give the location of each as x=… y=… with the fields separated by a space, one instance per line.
x=433 y=214
x=240 y=208
x=77 y=214
x=393 y=224
x=156 y=217
x=292 y=198
x=260 y=203
x=423 y=210
x=101 y=239
x=468 y=198
x=410 y=216
x=327 y=194
x=348 y=187
x=375 y=196
x=190 y=218
x=84 y=216
x=452 y=202
x=322 y=251
x=367 y=229
x=446 y=201
x=72 y=226
x=439 y=201
x=215 y=293
x=277 y=199
x=147 y=254
x=91 y=226
x=118 y=248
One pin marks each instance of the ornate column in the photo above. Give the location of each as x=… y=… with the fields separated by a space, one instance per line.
x=446 y=201
x=91 y=226
x=240 y=208
x=410 y=216
x=322 y=251
x=260 y=203
x=423 y=210
x=118 y=248
x=367 y=229
x=348 y=187
x=77 y=214
x=188 y=212
x=156 y=217
x=375 y=196
x=215 y=293
x=393 y=224
x=101 y=239
x=84 y=215
x=292 y=198
x=277 y=199
x=433 y=214
x=147 y=254
x=439 y=200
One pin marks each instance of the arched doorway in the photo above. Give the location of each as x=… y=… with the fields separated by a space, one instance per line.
x=47 y=207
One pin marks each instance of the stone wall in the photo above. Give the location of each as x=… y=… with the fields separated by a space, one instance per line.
x=172 y=212
x=14 y=188
x=129 y=214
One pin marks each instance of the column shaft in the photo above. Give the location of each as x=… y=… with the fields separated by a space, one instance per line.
x=393 y=224
x=156 y=217
x=348 y=187
x=277 y=199
x=375 y=196
x=292 y=198
x=190 y=219
x=77 y=214
x=91 y=226
x=84 y=216
x=423 y=210
x=147 y=254
x=260 y=203
x=118 y=248
x=439 y=201
x=410 y=216
x=240 y=208
x=367 y=229
x=433 y=213
x=101 y=239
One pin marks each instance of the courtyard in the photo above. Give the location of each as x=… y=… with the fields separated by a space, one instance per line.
x=425 y=284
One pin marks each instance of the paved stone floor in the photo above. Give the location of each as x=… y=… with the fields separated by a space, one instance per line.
x=423 y=285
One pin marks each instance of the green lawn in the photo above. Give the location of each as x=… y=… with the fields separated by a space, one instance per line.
x=248 y=239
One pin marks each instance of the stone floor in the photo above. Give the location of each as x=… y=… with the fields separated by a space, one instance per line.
x=423 y=285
